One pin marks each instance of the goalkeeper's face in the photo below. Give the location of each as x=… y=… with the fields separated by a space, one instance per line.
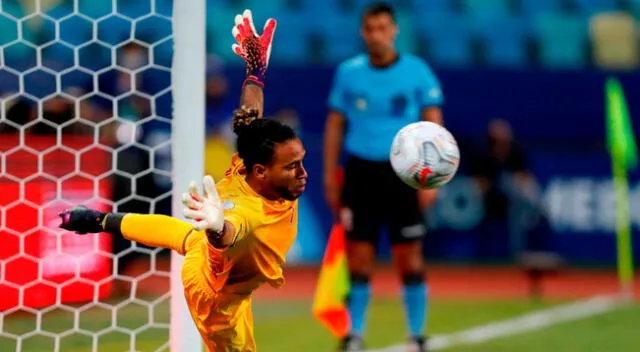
x=285 y=176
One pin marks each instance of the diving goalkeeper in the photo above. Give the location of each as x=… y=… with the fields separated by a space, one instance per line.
x=244 y=226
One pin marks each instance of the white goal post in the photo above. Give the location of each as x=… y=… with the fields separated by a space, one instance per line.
x=188 y=77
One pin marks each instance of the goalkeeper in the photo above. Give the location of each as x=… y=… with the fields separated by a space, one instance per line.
x=244 y=226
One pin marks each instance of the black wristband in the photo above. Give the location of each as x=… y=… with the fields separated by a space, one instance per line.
x=113 y=222
x=216 y=235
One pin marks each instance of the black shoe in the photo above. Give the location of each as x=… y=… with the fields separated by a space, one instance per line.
x=418 y=344
x=351 y=343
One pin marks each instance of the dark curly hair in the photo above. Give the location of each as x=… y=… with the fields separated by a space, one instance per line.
x=258 y=137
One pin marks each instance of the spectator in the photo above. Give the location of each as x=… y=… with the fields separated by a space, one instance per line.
x=511 y=193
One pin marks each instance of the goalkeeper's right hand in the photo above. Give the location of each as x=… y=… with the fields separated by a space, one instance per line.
x=205 y=210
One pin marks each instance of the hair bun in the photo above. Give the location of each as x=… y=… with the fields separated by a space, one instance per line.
x=242 y=119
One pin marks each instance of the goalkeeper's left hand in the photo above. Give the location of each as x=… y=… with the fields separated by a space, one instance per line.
x=252 y=48
x=205 y=210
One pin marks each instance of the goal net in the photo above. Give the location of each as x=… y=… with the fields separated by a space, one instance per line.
x=96 y=97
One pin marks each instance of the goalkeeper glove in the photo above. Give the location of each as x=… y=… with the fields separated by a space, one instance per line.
x=205 y=210
x=253 y=49
x=82 y=220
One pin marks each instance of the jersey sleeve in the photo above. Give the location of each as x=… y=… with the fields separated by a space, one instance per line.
x=430 y=92
x=220 y=261
x=337 y=93
x=243 y=214
x=236 y=218
x=156 y=231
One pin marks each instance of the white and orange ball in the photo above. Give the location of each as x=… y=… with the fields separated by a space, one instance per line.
x=425 y=155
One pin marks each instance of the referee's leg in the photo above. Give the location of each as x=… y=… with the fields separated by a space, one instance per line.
x=362 y=226
x=408 y=230
x=360 y=243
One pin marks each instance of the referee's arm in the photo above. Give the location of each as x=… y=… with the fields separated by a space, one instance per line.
x=333 y=137
x=432 y=114
x=431 y=97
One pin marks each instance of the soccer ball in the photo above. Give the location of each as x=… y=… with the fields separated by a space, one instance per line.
x=424 y=155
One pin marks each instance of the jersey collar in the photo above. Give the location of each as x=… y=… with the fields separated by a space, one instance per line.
x=385 y=67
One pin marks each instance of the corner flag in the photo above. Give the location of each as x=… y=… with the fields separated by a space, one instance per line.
x=329 y=305
x=624 y=157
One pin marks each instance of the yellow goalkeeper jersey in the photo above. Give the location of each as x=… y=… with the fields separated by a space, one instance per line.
x=218 y=282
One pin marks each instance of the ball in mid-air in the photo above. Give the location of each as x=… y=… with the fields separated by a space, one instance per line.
x=425 y=155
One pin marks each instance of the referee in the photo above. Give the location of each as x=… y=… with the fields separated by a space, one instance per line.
x=373 y=96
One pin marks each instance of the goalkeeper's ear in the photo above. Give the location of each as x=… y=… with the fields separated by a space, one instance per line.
x=259 y=171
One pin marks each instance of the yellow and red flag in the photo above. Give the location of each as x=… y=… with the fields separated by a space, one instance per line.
x=329 y=304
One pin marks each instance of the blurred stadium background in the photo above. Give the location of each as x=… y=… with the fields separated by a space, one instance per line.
x=85 y=93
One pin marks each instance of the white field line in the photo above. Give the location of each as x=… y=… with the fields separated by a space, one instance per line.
x=525 y=323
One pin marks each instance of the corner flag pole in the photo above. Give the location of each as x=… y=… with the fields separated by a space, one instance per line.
x=624 y=157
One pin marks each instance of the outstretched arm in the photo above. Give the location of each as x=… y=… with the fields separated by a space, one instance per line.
x=252 y=97
x=432 y=114
x=149 y=229
x=163 y=231
x=255 y=50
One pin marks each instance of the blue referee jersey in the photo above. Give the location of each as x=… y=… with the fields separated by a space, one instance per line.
x=378 y=102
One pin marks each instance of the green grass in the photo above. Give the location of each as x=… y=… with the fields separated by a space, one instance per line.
x=289 y=326
x=386 y=324
x=617 y=330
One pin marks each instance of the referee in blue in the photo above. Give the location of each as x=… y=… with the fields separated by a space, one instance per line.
x=373 y=96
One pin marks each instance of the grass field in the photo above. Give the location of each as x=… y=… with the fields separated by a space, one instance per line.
x=613 y=331
x=289 y=326
x=461 y=298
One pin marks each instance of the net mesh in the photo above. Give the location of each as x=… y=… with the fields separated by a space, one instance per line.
x=85 y=100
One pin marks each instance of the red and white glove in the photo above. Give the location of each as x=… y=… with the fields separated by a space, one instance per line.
x=252 y=48
x=205 y=210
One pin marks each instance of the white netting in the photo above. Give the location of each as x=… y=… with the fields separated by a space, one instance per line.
x=86 y=103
